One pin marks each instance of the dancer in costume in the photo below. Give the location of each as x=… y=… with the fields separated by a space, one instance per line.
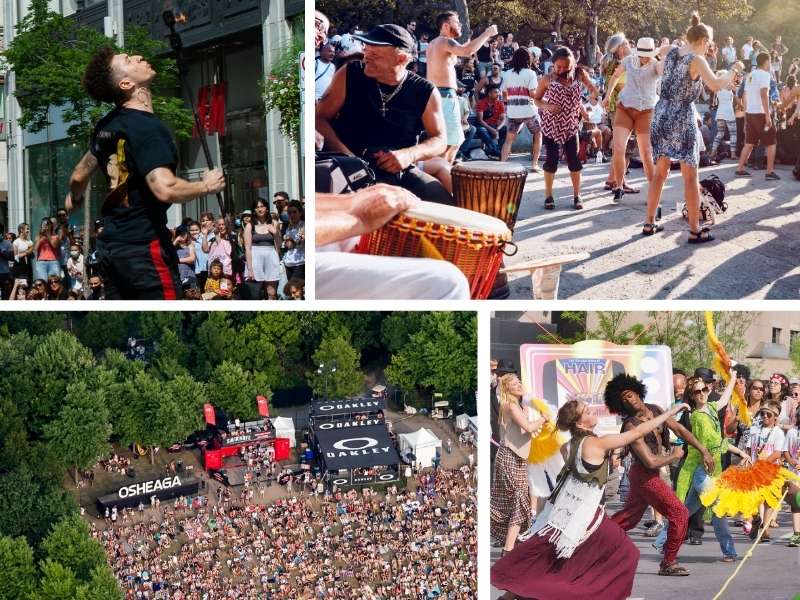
x=576 y=551
x=624 y=396
x=544 y=459
x=674 y=130
x=693 y=478
x=766 y=444
x=511 y=502
x=791 y=454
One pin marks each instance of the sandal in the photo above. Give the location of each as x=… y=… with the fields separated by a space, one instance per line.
x=651 y=228
x=673 y=570
x=618 y=194
x=609 y=186
x=549 y=203
x=728 y=559
x=630 y=190
x=576 y=203
x=700 y=237
x=743 y=173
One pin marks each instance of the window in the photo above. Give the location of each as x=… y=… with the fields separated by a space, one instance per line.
x=776 y=335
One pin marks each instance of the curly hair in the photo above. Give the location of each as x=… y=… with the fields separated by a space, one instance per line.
x=98 y=78
x=614 y=389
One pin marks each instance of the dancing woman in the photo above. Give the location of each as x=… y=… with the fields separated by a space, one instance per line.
x=693 y=478
x=558 y=95
x=674 y=131
x=634 y=108
x=576 y=551
x=511 y=502
x=617 y=49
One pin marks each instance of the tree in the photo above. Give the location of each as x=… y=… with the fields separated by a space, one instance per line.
x=100 y=330
x=169 y=359
x=398 y=327
x=58 y=360
x=50 y=49
x=81 y=432
x=70 y=544
x=102 y=586
x=17 y=567
x=283 y=331
x=57 y=582
x=347 y=380
x=234 y=390
x=213 y=341
x=31 y=506
x=152 y=325
x=32 y=323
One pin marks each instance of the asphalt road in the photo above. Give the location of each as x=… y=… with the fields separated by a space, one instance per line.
x=772 y=573
x=753 y=256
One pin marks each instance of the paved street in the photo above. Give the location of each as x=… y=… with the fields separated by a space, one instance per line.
x=754 y=254
x=772 y=573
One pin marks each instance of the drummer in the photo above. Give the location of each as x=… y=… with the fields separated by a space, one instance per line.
x=441 y=57
x=377 y=109
x=341 y=274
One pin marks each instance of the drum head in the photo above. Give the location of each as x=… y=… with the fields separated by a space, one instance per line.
x=475 y=168
x=441 y=214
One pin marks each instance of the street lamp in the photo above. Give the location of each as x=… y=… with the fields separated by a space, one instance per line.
x=324 y=371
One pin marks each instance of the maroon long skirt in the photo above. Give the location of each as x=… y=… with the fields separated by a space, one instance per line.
x=601 y=567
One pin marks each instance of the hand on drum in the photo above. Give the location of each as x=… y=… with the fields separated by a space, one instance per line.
x=393 y=161
x=378 y=204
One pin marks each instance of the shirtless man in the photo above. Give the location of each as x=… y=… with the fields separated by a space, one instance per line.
x=442 y=53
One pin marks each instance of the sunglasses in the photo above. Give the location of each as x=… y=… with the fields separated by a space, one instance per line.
x=700 y=391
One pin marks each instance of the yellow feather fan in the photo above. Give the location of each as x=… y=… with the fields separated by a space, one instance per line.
x=742 y=489
x=722 y=365
x=549 y=440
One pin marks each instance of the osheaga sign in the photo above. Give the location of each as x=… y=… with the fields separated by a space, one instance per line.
x=349 y=406
x=360 y=446
x=362 y=479
x=343 y=424
x=148 y=487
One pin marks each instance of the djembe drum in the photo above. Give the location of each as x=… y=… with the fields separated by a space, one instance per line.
x=492 y=188
x=472 y=241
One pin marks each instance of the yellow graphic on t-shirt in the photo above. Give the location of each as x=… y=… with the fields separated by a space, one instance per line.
x=117 y=170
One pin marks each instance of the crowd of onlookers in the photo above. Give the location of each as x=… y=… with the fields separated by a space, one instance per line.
x=419 y=543
x=256 y=254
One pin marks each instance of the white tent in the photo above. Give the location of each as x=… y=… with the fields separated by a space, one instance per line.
x=423 y=444
x=284 y=428
x=462 y=421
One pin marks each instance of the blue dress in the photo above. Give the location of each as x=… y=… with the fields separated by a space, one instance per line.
x=674 y=132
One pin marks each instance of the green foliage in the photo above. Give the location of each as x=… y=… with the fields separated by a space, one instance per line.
x=794 y=354
x=234 y=390
x=398 y=327
x=281 y=89
x=99 y=330
x=16 y=565
x=347 y=380
x=611 y=327
x=171 y=355
x=70 y=545
x=437 y=358
x=50 y=52
x=57 y=582
x=102 y=586
x=214 y=339
x=152 y=325
x=32 y=323
x=81 y=432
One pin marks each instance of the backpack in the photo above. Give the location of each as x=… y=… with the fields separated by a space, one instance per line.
x=338 y=173
x=714 y=189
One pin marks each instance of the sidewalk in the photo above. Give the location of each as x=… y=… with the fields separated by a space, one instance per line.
x=754 y=255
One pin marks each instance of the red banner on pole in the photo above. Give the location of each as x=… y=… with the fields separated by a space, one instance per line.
x=263 y=406
x=209 y=414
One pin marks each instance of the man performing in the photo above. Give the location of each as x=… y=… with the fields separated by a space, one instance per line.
x=624 y=396
x=377 y=110
x=442 y=53
x=135 y=254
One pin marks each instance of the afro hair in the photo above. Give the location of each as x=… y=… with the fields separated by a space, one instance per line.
x=621 y=383
x=98 y=78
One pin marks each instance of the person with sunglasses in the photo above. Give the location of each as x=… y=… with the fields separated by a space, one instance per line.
x=791 y=456
x=789 y=407
x=766 y=443
x=694 y=477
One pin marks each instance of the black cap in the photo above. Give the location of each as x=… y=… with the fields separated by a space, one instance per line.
x=706 y=375
x=505 y=367
x=388 y=35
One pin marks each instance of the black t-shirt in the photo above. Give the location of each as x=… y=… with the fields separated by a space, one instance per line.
x=484 y=54
x=360 y=124
x=506 y=53
x=128 y=144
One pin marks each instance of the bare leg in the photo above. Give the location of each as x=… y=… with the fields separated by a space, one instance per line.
x=548 y=183
x=691 y=192
x=511 y=538
x=646 y=154
x=771 y=158
x=506 y=149
x=439 y=167
x=744 y=156
x=536 y=149
x=450 y=154
x=656 y=186
x=621 y=135
x=575 y=176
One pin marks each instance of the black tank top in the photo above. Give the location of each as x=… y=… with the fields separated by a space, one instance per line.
x=484 y=54
x=360 y=124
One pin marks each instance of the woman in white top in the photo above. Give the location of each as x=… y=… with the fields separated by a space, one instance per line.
x=262 y=238
x=634 y=110
x=518 y=87
x=766 y=443
x=23 y=249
